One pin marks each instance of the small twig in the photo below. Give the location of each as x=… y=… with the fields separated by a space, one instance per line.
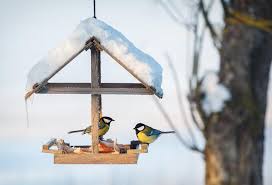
x=175 y=9
x=179 y=97
x=225 y=8
x=172 y=125
x=198 y=122
x=174 y=17
x=198 y=45
x=195 y=56
x=181 y=105
x=209 y=25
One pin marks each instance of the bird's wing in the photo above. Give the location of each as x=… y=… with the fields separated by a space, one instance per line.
x=101 y=125
x=155 y=132
x=151 y=131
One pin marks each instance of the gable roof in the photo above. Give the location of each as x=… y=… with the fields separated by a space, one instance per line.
x=142 y=66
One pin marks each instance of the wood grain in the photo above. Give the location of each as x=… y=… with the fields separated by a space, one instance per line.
x=50 y=143
x=86 y=88
x=96 y=158
x=96 y=99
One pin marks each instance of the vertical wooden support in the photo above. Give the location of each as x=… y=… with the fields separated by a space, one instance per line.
x=96 y=98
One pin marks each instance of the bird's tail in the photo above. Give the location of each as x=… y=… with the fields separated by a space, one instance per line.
x=168 y=132
x=74 y=131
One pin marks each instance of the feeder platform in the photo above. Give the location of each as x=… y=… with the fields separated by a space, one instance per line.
x=109 y=152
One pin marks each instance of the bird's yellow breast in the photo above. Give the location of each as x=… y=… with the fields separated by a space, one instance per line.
x=146 y=139
x=103 y=130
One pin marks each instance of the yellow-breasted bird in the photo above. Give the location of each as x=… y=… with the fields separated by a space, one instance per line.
x=147 y=134
x=103 y=127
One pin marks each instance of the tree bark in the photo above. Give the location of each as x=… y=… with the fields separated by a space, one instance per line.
x=235 y=137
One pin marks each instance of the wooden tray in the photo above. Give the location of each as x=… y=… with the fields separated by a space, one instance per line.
x=84 y=154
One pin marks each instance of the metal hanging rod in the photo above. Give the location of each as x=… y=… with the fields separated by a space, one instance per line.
x=94 y=9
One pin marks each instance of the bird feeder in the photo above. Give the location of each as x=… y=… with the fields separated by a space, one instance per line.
x=99 y=152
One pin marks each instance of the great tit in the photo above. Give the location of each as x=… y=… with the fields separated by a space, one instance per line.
x=147 y=134
x=103 y=127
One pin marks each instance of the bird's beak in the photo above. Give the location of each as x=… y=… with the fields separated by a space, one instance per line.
x=134 y=128
x=112 y=120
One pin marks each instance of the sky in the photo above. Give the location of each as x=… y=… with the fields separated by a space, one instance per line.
x=29 y=29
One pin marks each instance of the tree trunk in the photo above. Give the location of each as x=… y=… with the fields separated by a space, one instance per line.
x=235 y=137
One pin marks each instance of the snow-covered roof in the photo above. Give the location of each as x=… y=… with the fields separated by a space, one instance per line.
x=140 y=64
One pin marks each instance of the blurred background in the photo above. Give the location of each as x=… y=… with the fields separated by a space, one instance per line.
x=30 y=28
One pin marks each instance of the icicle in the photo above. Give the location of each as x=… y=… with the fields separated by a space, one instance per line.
x=27 y=116
x=31 y=99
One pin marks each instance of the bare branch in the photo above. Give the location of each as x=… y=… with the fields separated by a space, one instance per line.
x=195 y=58
x=196 y=117
x=172 y=125
x=180 y=102
x=215 y=38
x=198 y=45
x=172 y=12
x=225 y=8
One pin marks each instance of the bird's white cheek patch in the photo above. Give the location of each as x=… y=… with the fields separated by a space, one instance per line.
x=141 y=128
x=106 y=120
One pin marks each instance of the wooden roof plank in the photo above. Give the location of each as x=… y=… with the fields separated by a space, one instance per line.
x=152 y=89
x=45 y=81
x=93 y=41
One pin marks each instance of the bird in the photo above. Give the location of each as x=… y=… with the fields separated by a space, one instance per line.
x=147 y=134
x=103 y=127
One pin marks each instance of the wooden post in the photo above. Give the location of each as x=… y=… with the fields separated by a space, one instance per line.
x=96 y=98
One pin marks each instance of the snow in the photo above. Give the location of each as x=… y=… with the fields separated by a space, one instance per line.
x=140 y=63
x=215 y=94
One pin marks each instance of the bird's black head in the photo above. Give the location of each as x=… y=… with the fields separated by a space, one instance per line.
x=139 y=127
x=107 y=120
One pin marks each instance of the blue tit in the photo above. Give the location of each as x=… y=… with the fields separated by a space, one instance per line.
x=103 y=127
x=147 y=134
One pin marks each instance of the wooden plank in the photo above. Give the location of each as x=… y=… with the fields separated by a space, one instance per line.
x=107 y=158
x=96 y=99
x=86 y=88
x=50 y=143
x=151 y=89
x=142 y=149
x=52 y=151
x=135 y=151
x=44 y=82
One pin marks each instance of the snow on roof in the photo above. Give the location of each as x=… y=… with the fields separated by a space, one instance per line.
x=140 y=63
x=215 y=94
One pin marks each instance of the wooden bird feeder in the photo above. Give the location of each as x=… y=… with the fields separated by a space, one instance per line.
x=100 y=152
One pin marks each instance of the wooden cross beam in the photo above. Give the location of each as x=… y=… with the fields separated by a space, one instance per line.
x=86 y=88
